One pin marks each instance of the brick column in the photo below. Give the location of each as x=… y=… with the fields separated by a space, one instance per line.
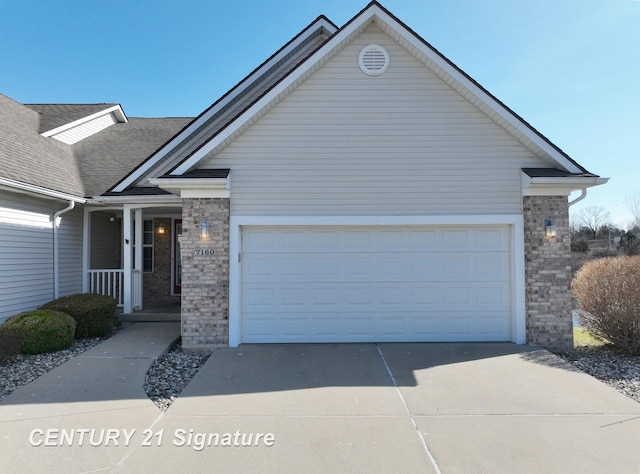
x=548 y=273
x=205 y=276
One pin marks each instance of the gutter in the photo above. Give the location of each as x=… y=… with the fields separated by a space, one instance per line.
x=56 y=250
x=18 y=186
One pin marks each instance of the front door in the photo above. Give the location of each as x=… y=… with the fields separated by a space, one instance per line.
x=177 y=261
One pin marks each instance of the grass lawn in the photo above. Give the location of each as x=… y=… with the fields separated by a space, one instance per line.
x=582 y=338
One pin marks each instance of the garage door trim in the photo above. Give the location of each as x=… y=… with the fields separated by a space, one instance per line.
x=518 y=329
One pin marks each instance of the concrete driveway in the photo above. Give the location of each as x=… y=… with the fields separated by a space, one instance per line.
x=393 y=408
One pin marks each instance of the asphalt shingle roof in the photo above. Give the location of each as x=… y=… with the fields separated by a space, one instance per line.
x=104 y=158
x=85 y=169
x=28 y=157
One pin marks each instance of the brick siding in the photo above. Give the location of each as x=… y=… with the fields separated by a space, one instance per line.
x=548 y=273
x=205 y=277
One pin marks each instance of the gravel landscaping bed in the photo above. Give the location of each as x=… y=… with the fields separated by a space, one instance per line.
x=620 y=371
x=171 y=373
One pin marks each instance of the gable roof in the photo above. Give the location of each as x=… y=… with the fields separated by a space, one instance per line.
x=29 y=159
x=219 y=136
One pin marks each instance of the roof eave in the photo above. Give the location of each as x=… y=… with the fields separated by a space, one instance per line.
x=194 y=187
x=558 y=186
x=26 y=188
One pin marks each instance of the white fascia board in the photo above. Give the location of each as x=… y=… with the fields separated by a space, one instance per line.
x=194 y=187
x=558 y=186
x=116 y=110
x=231 y=95
x=275 y=92
x=26 y=188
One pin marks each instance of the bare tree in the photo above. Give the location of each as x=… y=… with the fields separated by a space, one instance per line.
x=593 y=218
x=633 y=205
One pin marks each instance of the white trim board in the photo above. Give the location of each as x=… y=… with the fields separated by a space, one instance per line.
x=514 y=221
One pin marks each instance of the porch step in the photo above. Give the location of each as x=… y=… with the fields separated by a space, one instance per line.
x=148 y=317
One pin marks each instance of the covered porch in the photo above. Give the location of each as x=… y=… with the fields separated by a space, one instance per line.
x=133 y=255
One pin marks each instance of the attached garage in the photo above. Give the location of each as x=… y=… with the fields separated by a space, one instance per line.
x=376 y=283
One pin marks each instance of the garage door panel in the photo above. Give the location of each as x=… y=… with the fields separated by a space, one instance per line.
x=423 y=283
x=399 y=296
x=407 y=266
x=361 y=327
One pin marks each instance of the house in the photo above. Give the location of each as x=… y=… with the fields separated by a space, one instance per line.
x=357 y=186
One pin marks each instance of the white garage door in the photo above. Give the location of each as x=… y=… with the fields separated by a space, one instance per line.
x=375 y=284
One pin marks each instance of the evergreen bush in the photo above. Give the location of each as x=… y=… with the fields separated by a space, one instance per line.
x=40 y=331
x=94 y=314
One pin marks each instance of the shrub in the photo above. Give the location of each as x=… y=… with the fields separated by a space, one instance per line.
x=9 y=346
x=40 y=330
x=94 y=314
x=608 y=290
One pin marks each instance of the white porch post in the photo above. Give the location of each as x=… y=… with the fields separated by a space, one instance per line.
x=127 y=242
x=138 y=264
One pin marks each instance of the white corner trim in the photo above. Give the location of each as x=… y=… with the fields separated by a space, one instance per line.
x=116 y=110
x=515 y=222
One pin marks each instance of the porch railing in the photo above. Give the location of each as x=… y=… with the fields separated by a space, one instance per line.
x=108 y=282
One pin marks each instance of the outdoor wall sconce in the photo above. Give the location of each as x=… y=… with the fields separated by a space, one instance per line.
x=161 y=229
x=549 y=228
x=205 y=230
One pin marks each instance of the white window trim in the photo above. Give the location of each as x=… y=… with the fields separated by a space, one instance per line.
x=514 y=221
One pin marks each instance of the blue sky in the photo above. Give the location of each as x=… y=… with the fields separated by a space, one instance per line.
x=571 y=68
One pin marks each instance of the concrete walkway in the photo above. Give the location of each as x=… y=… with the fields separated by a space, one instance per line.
x=100 y=389
x=326 y=408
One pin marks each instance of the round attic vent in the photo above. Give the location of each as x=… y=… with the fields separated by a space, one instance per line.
x=373 y=59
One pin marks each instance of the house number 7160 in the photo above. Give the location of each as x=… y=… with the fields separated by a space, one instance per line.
x=200 y=252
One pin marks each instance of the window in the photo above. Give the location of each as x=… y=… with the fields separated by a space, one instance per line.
x=147 y=245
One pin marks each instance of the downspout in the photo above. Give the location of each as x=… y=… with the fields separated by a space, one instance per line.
x=583 y=195
x=56 y=250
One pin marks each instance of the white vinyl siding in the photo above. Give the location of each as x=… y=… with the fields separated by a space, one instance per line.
x=344 y=143
x=86 y=129
x=368 y=284
x=26 y=252
x=70 y=247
